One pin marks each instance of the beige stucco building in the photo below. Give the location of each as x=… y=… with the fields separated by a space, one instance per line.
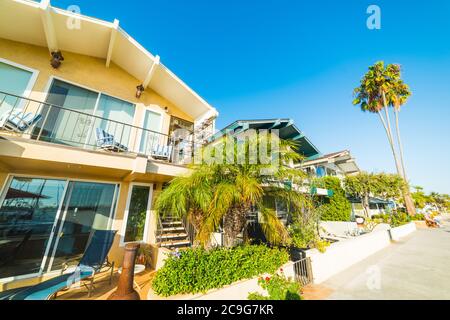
x=87 y=144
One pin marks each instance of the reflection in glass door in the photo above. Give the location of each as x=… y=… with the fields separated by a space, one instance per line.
x=27 y=215
x=44 y=222
x=87 y=207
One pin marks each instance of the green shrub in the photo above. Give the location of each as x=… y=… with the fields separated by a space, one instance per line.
x=384 y=218
x=337 y=207
x=304 y=231
x=278 y=287
x=198 y=270
x=399 y=219
x=418 y=217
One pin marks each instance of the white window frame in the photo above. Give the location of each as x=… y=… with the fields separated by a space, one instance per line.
x=148 y=214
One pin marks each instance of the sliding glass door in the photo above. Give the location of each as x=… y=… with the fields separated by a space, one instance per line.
x=65 y=126
x=117 y=118
x=45 y=222
x=87 y=207
x=82 y=112
x=27 y=214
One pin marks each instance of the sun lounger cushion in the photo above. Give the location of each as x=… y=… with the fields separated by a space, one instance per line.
x=45 y=290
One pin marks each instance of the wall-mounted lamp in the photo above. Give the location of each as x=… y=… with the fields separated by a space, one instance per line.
x=139 y=90
x=166 y=109
x=56 y=59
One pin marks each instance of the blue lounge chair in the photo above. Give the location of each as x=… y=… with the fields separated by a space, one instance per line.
x=19 y=121
x=106 y=141
x=91 y=263
x=162 y=152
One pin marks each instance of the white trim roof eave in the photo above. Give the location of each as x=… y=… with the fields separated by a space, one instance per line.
x=38 y=23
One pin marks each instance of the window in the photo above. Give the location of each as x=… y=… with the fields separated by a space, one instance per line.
x=178 y=123
x=321 y=172
x=14 y=80
x=137 y=213
x=149 y=139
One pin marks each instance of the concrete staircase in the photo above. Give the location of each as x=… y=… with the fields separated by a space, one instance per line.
x=172 y=234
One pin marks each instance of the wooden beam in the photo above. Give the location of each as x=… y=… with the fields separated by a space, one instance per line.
x=49 y=28
x=112 y=41
x=151 y=72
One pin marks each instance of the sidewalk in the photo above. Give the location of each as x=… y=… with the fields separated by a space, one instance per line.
x=416 y=268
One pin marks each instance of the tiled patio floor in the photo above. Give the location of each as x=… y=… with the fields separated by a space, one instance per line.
x=103 y=289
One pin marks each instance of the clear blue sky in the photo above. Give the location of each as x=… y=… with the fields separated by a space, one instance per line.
x=302 y=59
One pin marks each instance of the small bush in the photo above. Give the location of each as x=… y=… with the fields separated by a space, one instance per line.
x=278 y=287
x=418 y=217
x=198 y=270
x=399 y=219
x=383 y=218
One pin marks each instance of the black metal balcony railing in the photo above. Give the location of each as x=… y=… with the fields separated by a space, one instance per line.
x=52 y=123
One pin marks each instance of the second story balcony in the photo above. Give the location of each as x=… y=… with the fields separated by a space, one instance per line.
x=42 y=121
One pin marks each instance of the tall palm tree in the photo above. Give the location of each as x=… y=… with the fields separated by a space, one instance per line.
x=222 y=194
x=380 y=88
x=397 y=97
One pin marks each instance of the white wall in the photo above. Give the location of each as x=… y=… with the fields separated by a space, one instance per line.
x=343 y=254
x=402 y=231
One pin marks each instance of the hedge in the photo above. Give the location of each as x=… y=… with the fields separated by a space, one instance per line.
x=198 y=270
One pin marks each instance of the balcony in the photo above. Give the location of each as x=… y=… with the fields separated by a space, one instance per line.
x=40 y=121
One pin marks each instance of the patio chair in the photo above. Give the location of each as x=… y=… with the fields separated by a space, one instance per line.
x=18 y=120
x=106 y=141
x=162 y=152
x=90 y=264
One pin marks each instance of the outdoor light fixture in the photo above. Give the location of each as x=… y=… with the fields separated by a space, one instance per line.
x=57 y=57
x=140 y=88
x=166 y=109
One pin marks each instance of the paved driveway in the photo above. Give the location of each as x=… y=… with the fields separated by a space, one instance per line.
x=416 y=268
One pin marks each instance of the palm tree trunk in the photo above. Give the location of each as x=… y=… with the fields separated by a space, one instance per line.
x=406 y=194
x=399 y=141
x=366 y=205
x=391 y=144
x=410 y=207
x=234 y=223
